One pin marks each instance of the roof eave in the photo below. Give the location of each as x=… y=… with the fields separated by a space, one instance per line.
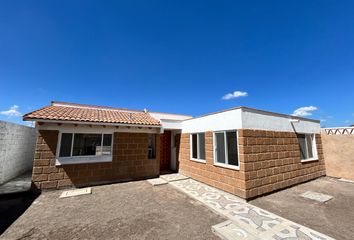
x=91 y=123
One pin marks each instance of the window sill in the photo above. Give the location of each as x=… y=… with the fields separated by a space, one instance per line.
x=198 y=160
x=82 y=159
x=226 y=166
x=309 y=160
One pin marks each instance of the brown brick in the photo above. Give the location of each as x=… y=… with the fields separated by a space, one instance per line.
x=39 y=177
x=41 y=162
x=56 y=176
x=51 y=169
x=49 y=185
x=37 y=170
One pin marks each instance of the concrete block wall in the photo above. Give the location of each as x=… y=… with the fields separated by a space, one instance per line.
x=17 y=145
x=229 y=180
x=269 y=161
x=130 y=161
x=272 y=161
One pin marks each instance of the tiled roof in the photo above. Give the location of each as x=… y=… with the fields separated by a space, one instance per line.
x=60 y=111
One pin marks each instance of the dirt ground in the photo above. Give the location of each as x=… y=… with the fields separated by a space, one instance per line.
x=334 y=218
x=134 y=210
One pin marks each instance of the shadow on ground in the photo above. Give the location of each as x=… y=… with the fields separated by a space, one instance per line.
x=12 y=206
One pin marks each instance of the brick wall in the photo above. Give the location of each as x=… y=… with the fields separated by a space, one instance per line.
x=272 y=161
x=268 y=161
x=129 y=162
x=229 y=180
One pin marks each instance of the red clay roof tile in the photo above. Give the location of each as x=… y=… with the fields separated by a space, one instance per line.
x=60 y=111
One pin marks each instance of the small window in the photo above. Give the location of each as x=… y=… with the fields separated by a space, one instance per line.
x=152 y=146
x=307 y=146
x=198 y=146
x=226 y=148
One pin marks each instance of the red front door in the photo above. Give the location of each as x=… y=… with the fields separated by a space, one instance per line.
x=165 y=151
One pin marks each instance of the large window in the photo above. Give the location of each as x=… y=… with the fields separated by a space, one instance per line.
x=197 y=145
x=152 y=146
x=75 y=146
x=226 y=149
x=307 y=145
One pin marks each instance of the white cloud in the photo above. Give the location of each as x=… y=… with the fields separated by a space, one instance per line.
x=304 y=111
x=12 y=112
x=235 y=94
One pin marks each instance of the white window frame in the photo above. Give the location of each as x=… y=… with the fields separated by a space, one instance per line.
x=82 y=159
x=198 y=159
x=314 y=147
x=226 y=164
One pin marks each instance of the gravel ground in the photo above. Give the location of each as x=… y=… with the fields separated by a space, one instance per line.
x=133 y=210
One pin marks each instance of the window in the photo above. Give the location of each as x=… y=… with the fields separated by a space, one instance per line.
x=226 y=149
x=74 y=147
x=307 y=145
x=198 y=146
x=152 y=146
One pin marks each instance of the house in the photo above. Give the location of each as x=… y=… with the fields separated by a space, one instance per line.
x=244 y=151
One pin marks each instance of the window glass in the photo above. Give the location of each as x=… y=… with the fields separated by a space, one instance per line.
x=65 y=145
x=152 y=146
x=220 y=147
x=107 y=142
x=194 y=146
x=309 y=146
x=302 y=143
x=201 y=145
x=231 y=138
x=87 y=144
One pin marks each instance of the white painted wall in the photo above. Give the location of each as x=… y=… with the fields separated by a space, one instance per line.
x=272 y=122
x=245 y=118
x=17 y=146
x=226 y=120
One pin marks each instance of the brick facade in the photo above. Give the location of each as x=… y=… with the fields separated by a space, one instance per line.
x=229 y=180
x=272 y=161
x=129 y=162
x=269 y=161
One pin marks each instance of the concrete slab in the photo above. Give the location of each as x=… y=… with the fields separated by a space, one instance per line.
x=76 y=192
x=156 y=181
x=228 y=230
x=173 y=177
x=319 y=197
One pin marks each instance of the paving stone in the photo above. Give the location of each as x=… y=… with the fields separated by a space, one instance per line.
x=319 y=197
x=76 y=192
x=156 y=181
x=246 y=221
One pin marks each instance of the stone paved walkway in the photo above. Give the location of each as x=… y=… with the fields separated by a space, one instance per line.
x=246 y=221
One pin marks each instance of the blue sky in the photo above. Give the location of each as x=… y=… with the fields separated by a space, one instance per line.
x=180 y=56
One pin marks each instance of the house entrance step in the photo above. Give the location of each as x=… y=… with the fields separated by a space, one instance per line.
x=173 y=177
x=157 y=181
